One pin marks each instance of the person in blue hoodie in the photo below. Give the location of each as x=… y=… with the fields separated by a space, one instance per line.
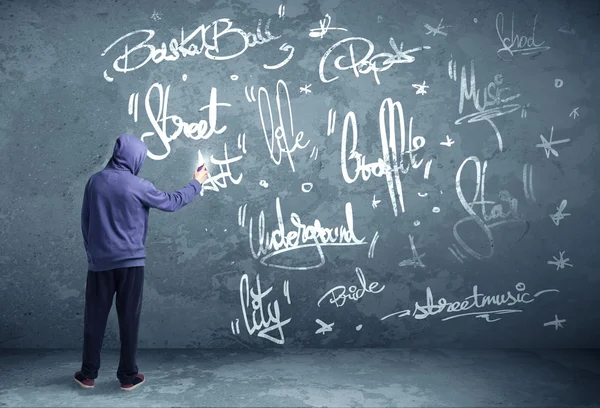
x=114 y=224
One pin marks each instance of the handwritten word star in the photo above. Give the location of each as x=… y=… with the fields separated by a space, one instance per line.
x=420 y=88
x=305 y=89
x=559 y=215
x=547 y=144
x=574 y=113
x=375 y=202
x=155 y=16
x=556 y=322
x=560 y=263
x=437 y=30
x=449 y=142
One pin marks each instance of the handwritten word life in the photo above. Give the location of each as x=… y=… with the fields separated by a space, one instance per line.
x=303 y=236
x=482 y=220
x=259 y=323
x=369 y=62
x=392 y=163
x=475 y=301
x=275 y=132
x=170 y=126
x=340 y=294
x=205 y=39
x=493 y=104
x=516 y=43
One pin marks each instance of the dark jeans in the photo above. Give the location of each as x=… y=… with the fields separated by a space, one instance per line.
x=128 y=284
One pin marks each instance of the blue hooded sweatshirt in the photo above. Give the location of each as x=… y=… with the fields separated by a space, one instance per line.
x=116 y=203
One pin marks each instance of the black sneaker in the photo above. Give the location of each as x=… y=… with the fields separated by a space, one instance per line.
x=83 y=381
x=137 y=381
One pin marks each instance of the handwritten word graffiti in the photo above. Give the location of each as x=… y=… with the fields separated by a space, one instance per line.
x=209 y=40
x=475 y=301
x=276 y=134
x=392 y=163
x=517 y=43
x=324 y=27
x=273 y=321
x=368 y=63
x=497 y=216
x=170 y=126
x=279 y=241
x=494 y=104
x=215 y=182
x=338 y=295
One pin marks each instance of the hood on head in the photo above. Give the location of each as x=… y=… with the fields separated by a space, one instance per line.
x=129 y=154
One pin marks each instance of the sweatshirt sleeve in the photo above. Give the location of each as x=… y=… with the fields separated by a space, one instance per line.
x=154 y=198
x=85 y=216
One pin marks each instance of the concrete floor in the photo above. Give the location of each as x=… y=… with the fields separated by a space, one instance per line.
x=310 y=377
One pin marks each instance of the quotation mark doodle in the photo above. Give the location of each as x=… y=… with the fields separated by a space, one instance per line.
x=560 y=262
x=556 y=323
x=331 y=122
x=315 y=152
x=133 y=105
x=452 y=69
x=242 y=215
x=559 y=215
x=250 y=94
x=528 y=182
x=324 y=327
x=281 y=10
x=242 y=142
x=547 y=144
x=427 y=169
x=371 y=252
x=235 y=329
x=524 y=111
x=286 y=291
x=457 y=254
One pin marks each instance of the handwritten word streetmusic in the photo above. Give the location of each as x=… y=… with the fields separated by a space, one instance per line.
x=302 y=236
x=273 y=321
x=338 y=295
x=369 y=62
x=497 y=216
x=494 y=103
x=392 y=163
x=275 y=133
x=517 y=43
x=210 y=40
x=475 y=301
x=170 y=126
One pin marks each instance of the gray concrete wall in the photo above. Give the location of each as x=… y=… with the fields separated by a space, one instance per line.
x=456 y=208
